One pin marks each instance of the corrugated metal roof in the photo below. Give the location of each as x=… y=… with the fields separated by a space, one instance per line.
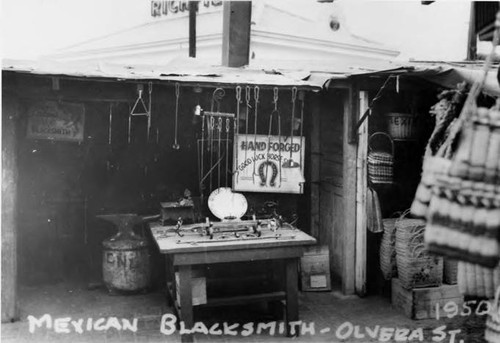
x=185 y=71
x=194 y=71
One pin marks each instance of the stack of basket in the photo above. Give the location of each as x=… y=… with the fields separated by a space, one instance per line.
x=450 y=272
x=388 y=264
x=416 y=268
x=380 y=162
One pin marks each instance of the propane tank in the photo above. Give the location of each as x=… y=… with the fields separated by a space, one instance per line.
x=126 y=258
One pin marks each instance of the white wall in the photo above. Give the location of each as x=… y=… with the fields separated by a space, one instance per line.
x=435 y=32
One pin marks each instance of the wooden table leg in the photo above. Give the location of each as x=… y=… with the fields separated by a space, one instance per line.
x=292 y=294
x=170 y=282
x=186 y=300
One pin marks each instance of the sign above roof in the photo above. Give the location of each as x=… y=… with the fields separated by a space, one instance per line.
x=181 y=8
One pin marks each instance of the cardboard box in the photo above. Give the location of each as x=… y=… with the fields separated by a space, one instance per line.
x=420 y=303
x=315 y=269
x=198 y=289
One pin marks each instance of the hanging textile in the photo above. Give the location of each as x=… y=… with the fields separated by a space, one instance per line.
x=464 y=210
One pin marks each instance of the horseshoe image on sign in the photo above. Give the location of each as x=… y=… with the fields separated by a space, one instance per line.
x=263 y=175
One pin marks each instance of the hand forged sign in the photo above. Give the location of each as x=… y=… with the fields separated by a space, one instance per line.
x=269 y=164
x=54 y=120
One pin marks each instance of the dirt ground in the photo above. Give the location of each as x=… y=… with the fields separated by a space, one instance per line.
x=326 y=317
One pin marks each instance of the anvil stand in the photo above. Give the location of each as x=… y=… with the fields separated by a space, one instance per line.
x=125 y=245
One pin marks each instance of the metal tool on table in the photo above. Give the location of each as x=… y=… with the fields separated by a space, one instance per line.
x=140 y=109
x=209 y=228
x=290 y=163
x=230 y=208
x=176 y=145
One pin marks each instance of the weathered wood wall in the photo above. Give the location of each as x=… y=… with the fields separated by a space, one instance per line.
x=9 y=209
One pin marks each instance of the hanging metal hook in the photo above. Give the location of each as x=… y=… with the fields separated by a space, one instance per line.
x=176 y=145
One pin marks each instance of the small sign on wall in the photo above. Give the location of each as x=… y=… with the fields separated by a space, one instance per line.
x=54 y=120
x=269 y=164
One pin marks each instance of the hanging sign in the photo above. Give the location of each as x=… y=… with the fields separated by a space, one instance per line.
x=269 y=164
x=61 y=121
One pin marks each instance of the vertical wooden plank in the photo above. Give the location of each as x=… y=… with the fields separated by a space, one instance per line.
x=361 y=186
x=292 y=300
x=472 y=35
x=193 y=8
x=237 y=18
x=186 y=300
x=9 y=209
x=349 y=197
x=315 y=164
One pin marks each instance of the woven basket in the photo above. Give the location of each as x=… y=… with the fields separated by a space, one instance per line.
x=380 y=163
x=492 y=332
x=388 y=264
x=477 y=281
x=450 y=271
x=416 y=268
x=401 y=125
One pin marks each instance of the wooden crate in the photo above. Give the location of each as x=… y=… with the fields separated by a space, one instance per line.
x=315 y=269
x=420 y=303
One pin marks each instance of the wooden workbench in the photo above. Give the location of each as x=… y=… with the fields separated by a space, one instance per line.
x=184 y=252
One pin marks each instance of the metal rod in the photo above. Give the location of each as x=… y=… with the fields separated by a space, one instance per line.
x=237 y=131
x=110 y=122
x=176 y=145
x=256 y=99
x=211 y=169
x=219 y=127
x=150 y=89
x=294 y=97
x=248 y=91
x=202 y=156
x=218 y=114
x=227 y=150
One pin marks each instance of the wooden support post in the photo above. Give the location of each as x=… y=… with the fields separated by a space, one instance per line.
x=361 y=187
x=236 y=33
x=349 y=197
x=472 y=35
x=292 y=299
x=186 y=301
x=315 y=164
x=193 y=7
x=9 y=209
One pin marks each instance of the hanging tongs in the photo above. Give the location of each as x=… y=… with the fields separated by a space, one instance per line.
x=140 y=109
x=290 y=163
